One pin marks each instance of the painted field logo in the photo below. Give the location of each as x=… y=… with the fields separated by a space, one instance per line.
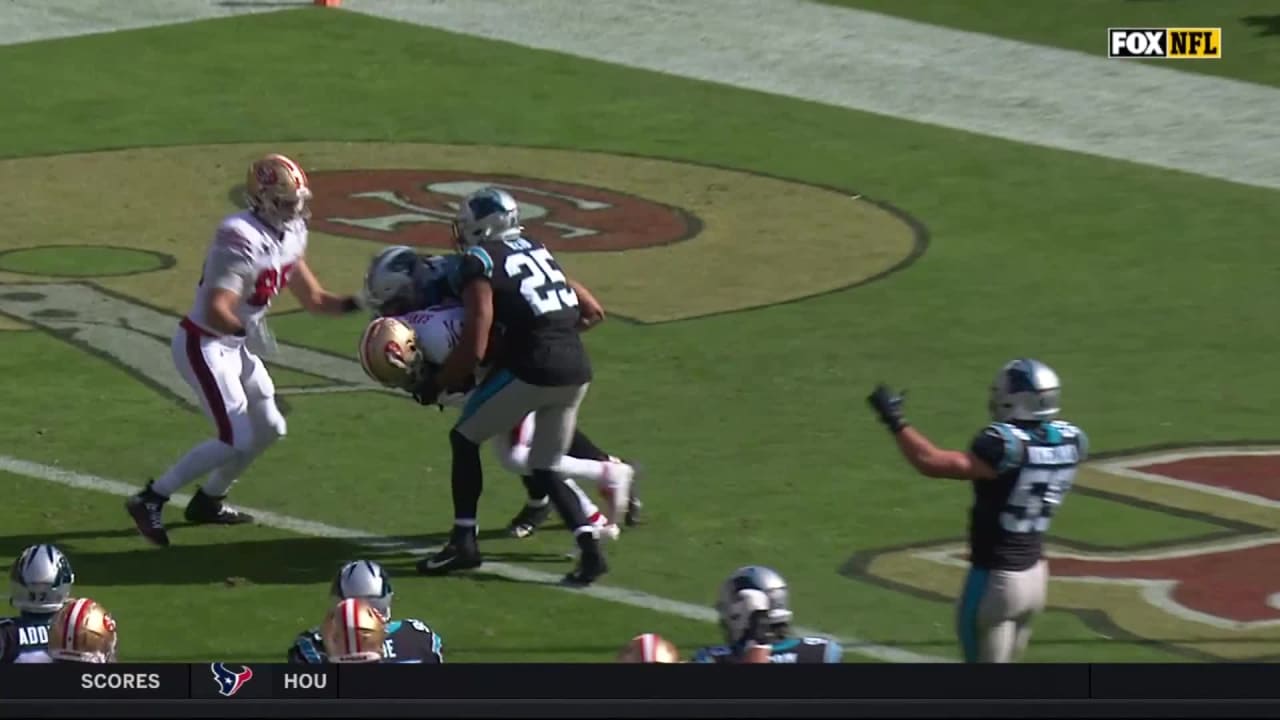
x=1215 y=595
x=1171 y=43
x=656 y=240
x=416 y=207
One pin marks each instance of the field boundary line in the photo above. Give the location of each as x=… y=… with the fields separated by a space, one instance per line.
x=623 y=596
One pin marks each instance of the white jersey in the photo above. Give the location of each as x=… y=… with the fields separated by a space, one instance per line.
x=250 y=259
x=438 y=329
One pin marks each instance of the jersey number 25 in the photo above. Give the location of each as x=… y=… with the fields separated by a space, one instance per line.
x=543 y=285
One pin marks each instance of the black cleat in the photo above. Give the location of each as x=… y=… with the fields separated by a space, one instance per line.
x=209 y=510
x=591 y=563
x=147 y=510
x=632 y=518
x=528 y=520
x=462 y=553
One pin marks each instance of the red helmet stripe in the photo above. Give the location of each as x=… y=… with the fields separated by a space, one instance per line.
x=72 y=622
x=353 y=632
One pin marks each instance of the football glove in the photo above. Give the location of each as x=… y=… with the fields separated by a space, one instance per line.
x=888 y=407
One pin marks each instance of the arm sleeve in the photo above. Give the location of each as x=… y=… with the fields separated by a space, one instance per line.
x=474 y=264
x=1082 y=443
x=230 y=263
x=990 y=447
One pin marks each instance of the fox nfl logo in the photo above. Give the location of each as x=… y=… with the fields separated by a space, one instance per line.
x=1169 y=43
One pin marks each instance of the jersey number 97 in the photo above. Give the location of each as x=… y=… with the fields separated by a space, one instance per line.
x=542 y=283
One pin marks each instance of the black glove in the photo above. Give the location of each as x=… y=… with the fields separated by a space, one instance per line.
x=888 y=406
x=425 y=390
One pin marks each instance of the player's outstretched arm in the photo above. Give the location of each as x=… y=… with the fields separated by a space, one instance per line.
x=314 y=298
x=590 y=308
x=924 y=456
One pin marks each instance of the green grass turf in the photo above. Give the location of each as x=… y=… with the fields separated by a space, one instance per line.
x=1250 y=28
x=1139 y=286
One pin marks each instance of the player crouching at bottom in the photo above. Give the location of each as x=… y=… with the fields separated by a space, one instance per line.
x=407 y=641
x=756 y=619
x=40 y=582
x=83 y=632
x=1022 y=465
x=649 y=648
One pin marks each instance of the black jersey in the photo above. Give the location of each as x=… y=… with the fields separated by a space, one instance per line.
x=534 y=308
x=1036 y=465
x=24 y=638
x=791 y=650
x=408 y=641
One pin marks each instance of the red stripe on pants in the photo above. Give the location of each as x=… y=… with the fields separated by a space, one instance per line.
x=212 y=395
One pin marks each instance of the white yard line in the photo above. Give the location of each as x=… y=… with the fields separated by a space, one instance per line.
x=1156 y=116
x=634 y=598
x=30 y=20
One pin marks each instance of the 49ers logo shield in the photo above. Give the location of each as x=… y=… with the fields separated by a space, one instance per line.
x=416 y=207
x=1213 y=595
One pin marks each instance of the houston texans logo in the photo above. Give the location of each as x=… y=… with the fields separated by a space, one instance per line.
x=229 y=683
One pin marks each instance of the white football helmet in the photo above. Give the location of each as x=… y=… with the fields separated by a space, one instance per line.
x=1025 y=390
x=40 y=580
x=754 y=605
x=366 y=580
x=487 y=214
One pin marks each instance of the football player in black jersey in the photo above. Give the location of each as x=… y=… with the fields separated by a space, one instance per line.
x=755 y=615
x=1022 y=465
x=39 y=584
x=400 y=281
x=512 y=282
x=406 y=641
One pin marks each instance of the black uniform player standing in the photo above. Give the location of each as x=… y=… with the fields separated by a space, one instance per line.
x=39 y=584
x=755 y=615
x=512 y=282
x=1022 y=466
x=407 y=641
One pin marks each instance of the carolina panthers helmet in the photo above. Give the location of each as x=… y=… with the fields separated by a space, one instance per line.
x=353 y=632
x=391 y=285
x=754 y=605
x=83 y=631
x=277 y=190
x=40 y=580
x=366 y=580
x=1025 y=390
x=486 y=214
x=649 y=648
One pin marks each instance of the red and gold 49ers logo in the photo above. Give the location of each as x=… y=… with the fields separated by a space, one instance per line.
x=1214 y=596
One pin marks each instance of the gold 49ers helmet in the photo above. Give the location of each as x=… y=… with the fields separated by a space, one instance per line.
x=82 y=631
x=277 y=190
x=389 y=352
x=649 y=648
x=353 y=632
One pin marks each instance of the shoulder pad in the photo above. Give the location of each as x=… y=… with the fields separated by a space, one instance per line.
x=417 y=625
x=235 y=234
x=1013 y=438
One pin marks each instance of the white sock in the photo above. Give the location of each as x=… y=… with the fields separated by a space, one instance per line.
x=225 y=475
x=588 y=508
x=199 y=460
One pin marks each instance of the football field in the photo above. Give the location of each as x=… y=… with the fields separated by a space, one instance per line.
x=781 y=203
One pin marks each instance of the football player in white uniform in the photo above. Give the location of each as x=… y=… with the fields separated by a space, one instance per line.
x=254 y=254
x=391 y=348
x=399 y=282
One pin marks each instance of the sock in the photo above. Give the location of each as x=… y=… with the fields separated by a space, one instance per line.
x=537 y=498
x=563 y=498
x=225 y=475
x=199 y=460
x=467 y=477
x=596 y=471
x=582 y=447
x=588 y=508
